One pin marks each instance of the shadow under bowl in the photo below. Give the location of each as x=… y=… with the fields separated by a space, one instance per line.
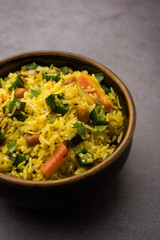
x=64 y=192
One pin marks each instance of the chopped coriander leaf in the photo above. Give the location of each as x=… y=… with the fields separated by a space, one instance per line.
x=100 y=128
x=31 y=66
x=64 y=70
x=99 y=76
x=2 y=138
x=76 y=140
x=35 y=91
x=80 y=130
x=18 y=158
x=106 y=89
x=14 y=168
x=81 y=134
x=52 y=119
x=11 y=146
x=17 y=84
x=16 y=109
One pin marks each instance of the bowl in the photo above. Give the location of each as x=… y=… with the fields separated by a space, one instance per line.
x=64 y=192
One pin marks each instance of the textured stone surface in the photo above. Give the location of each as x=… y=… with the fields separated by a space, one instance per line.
x=124 y=35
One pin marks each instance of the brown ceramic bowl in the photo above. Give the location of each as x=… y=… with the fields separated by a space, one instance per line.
x=34 y=194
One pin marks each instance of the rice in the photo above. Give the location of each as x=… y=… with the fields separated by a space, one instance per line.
x=54 y=128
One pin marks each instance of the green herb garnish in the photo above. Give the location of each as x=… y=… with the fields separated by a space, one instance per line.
x=18 y=158
x=14 y=168
x=11 y=146
x=52 y=119
x=100 y=128
x=64 y=70
x=35 y=91
x=80 y=130
x=31 y=66
x=16 y=109
x=106 y=89
x=99 y=76
x=81 y=133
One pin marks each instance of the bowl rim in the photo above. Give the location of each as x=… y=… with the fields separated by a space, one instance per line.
x=114 y=156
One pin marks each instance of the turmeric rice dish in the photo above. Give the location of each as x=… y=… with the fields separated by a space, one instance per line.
x=56 y=122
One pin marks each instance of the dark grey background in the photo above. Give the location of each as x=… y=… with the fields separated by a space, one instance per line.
x=124 y=35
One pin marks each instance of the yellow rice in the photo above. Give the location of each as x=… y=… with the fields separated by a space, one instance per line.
x=101 y=144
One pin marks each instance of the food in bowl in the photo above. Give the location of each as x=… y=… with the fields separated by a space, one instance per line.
x=56 y=122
